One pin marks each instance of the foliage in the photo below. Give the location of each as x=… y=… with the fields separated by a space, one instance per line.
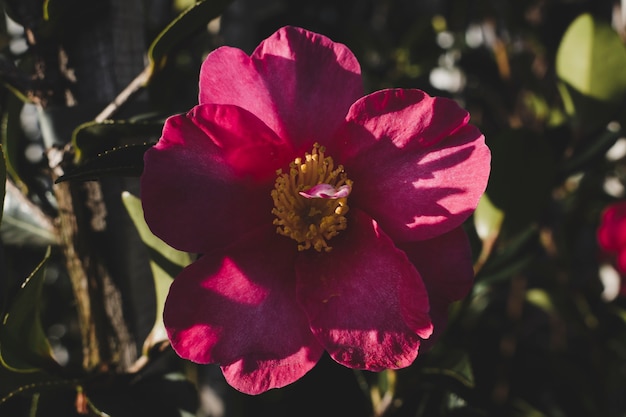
x=541 y=333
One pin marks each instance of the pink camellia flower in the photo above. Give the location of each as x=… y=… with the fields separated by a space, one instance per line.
x=325 y=219
x=611 y=233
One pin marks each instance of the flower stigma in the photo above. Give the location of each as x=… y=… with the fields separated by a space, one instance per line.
x=310 y=201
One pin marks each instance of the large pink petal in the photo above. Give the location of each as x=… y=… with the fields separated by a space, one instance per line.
x=209 y=177
x=238 y=307
x=301 y=84
x=445 y=263
x=418 y=168
x=366 y=303
x=446 y=266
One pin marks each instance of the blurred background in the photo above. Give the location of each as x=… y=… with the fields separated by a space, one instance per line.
x=542 y=333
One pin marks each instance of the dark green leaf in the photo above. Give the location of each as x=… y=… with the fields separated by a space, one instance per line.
x=12 y=135
x=450 y=363
x=14 y=383
x=508 y=257
x=591 y=151
x=166 y=262
x=123 y=161
x=522 y=176
x=23 y=343
x=164 y=395
x=92 y=139
x=186 y=24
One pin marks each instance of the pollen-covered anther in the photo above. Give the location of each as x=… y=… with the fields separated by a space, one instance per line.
x=310 y=202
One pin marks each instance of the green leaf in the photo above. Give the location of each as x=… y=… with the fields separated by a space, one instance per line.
x=591 y=151
x=186 y=24
x=23 y=222
x=14 y=383
x=23 y=343
x=449 y=363
x=92 y=139
x=12 y=136
x=507 y=258
x=3 y=179
x=541 y=298
x=487 y=219
x=111 y=148
x=153 y=393
x=123 y=161
x=522 y=176
x=166 y=262
x=591 y=58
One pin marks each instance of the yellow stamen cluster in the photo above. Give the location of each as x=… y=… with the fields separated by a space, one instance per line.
x=310 y=221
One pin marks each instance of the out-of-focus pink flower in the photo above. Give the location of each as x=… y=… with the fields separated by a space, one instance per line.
x=612 y=233
x=326 y=220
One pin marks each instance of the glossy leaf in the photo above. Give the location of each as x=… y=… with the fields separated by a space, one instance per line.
x=15 y=383
x=186 y=24
x=23 y=343
x=165 y=263
x=591 y=58
x=11 y=133
x=123 y=161
x=92 y=139
x=23 y=222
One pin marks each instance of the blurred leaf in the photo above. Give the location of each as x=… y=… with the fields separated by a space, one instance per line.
x=165 y=263
x=521 y=408
x=3 y=179
x=591 y=58
x=487 y=219
x=124 y=161
x=522 y=176
x=162 y=394
x=23 y=222
x=23 y=343
x=383 y=391
x=541 y=298
x=186 y=24
x=14 y=383
x=591 y=150
x=449 y=363
x=507 y=258
x=12 y=134
x=92 y=139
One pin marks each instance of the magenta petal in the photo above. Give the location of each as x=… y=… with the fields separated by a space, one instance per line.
x=238 y=308
x=445 y=263
x=366 y=303
x=249 y=147
x=612 y=229
x=196 y=191
x=301 y=84
x=418 y=168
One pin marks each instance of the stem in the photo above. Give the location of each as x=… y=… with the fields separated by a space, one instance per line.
x=124 y=95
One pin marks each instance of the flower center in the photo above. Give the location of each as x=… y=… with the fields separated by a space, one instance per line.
x=310 y=202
